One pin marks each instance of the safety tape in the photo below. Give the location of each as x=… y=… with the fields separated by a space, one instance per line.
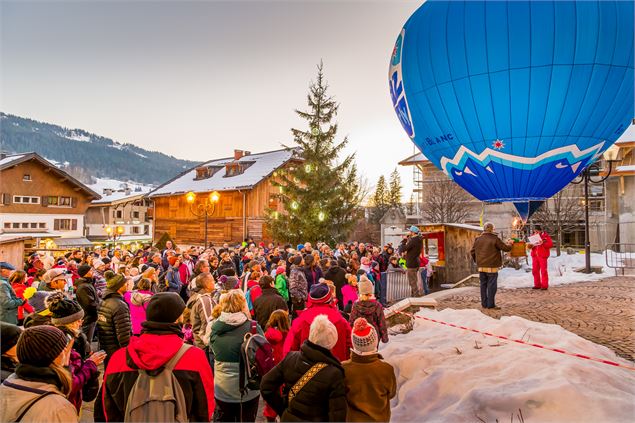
x=520 y=341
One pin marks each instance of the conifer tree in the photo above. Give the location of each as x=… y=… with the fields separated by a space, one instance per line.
x=380 y=200
x=394 y=192
x=321 y=195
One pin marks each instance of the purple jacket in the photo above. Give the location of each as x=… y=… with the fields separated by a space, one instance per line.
x=85 y=380
x=138 y=302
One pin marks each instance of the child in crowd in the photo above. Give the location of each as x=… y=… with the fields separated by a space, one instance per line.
x=281 y=282
x=369 y=308
x=349 y=292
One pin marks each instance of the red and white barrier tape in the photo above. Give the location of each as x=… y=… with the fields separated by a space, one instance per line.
x=520 y=341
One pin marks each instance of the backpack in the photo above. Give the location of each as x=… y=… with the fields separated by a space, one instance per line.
x=158 y=398
x=256 y=359
x=206 y=329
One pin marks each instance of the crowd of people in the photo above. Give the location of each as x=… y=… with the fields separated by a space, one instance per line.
x=222 y=330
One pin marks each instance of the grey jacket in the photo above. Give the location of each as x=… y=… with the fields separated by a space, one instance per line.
x=9 y=303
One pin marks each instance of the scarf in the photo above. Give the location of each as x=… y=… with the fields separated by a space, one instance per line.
x=159 y=328
x=38 y=374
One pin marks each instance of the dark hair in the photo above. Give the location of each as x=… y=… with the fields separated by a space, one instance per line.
x=538 y=227
x=265 y=281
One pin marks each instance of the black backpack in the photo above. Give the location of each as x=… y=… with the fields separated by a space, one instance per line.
x=256 y=359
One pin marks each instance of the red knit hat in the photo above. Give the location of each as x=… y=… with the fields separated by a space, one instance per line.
x=172 y=260
x=280 y=270
x=364 y=337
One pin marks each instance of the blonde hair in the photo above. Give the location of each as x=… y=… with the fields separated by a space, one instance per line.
x=149 y=272
x=64 y=376
x=233 y=301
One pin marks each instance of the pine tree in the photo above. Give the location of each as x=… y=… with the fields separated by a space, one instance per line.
x=394 y=192
x=380 y=199
x=321 y=195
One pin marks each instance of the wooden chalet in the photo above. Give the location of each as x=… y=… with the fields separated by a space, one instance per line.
x=243 y=183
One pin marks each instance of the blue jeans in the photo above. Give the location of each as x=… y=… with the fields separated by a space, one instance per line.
x=424 y=279
x=488 y=288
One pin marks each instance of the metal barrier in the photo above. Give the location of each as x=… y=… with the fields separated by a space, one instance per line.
x=395 y=286
x=620 y=257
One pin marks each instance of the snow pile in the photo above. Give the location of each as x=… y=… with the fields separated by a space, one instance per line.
x=561 y=271
x=497 y=379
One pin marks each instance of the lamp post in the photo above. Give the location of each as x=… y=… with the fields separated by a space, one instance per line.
x=593 y=174
x=203 y=209
x=114 y=233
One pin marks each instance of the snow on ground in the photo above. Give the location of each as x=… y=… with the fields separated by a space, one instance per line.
x=437 y=384
x=561 y=271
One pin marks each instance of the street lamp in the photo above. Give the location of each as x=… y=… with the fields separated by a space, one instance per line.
x=114 y=233
x=204 y=209
x=594 y=175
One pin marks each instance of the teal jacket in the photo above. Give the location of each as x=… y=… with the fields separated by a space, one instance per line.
x=9 y=303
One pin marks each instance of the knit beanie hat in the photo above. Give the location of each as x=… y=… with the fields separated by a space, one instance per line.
x=63 y=310
x=165 y=307
x=40 y=345
x=114 y=281
x=9 y=334
x=364 y=337
x=37 y=300
x=365 y=286
x=323 y=332
x=280 y=271
x=97 y=263
x=83 y=269
x=320 y=293
x=172 y=260
x=54 y=274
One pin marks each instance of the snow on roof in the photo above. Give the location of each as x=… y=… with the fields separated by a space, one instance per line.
x=414 y=159
x=628 y=168
x=11 y=158
x=627 y=136
x=263 y=165
x=118 y=190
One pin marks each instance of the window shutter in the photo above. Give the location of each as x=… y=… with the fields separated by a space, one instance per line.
x=73 y=202
x=74 y=224
x=45 y=201
x=56 y=224
x=6 y=199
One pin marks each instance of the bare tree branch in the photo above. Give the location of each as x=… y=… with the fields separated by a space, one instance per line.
x=446 y=202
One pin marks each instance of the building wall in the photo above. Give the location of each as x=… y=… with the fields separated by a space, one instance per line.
x=98 y=217
x=48 y=220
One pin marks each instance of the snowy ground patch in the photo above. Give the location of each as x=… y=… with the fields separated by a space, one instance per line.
x=452 y=375
x=561 y=271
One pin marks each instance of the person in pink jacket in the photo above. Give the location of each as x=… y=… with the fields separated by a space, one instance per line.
x=138 y=302
x=540 y=253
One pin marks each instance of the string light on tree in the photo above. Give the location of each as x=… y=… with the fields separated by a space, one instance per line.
x=307 y=168
x=294 y=205
x=321 y=216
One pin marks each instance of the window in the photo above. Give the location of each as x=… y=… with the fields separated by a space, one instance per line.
x=65 y=224
x=33 y=225
x=26 y=177
x=23 y=199
x=25 y=225
x=65 y=201
x=42 y=225
x=7 y=225
x=135 y=230
x=135 y=215
x=119 y=214
x=146 y=229
x=53 y=201
x=15 y=225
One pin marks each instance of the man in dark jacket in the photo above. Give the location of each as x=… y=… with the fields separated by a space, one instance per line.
x=337 y=275
x=486 y=252
x=159 y=342
x=113 y=316
x=268 y=302
x=88 y=299
x=323 y=397
x=412 y=250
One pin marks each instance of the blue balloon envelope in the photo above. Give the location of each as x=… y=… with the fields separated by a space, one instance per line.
x=512 y=100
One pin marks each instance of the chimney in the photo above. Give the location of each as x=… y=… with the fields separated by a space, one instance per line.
x=238 y=154
x=107 y=191
x=127 y=190
x=3 y=155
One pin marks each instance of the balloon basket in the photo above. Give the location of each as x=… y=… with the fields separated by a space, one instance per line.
x=519 y=249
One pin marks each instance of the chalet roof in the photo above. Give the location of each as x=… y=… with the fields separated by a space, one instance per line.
x=628 y=135
x=262 y=165
x=414 y=159
x=15 y=159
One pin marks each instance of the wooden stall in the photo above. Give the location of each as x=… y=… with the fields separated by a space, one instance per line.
x=453 y=242
x=12 y=250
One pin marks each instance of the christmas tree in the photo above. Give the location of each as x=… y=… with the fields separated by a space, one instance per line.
x=394 y=193
x=380 y=200
x=321 y=196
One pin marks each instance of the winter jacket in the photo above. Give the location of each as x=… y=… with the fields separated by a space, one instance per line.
x=37 y=319
x=138 y=303
x=9 y=303
x=253 y=293
x=8 y=367
x=301 y=326
x=349 y=296
x=413 y=249
x=113 y=321
x=150 y=352
x=226 y=339
x=88 y=299
x=486 y=251
x=312 y=275
x=282 y=287
x=373 y=312
x=51 y=408
x=24 y=309
x=298 y=285
x=322 y=399
x=276 y=338
x=542 y=250
x=370 y=385
x=201 y=310
x=226 y=265
x=85 y=380
x=100 y=282
x=338 y=276
x=268 y=302
x=173 y=279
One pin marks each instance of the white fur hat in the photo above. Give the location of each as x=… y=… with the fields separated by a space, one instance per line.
x=323 y=332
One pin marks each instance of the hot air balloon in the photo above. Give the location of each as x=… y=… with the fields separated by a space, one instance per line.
x=512 y=100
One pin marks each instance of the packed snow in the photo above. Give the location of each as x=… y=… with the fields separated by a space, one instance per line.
x=446 y=374
x=74 y=136
x=561 y=271
x=118 y=188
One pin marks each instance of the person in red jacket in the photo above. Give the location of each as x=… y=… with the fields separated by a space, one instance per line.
x=539 y=255
x=18 y=283
x=320 y=303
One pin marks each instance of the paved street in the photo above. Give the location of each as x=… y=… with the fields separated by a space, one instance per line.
x=602 y=311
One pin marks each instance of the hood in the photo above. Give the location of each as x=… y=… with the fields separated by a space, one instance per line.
x=367 y=307
x=151 y=351
x=139 y=298
x=227 y=322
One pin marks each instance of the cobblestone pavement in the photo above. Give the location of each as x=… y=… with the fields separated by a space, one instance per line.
x=601 y=311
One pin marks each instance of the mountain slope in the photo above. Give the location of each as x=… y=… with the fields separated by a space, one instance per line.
x=88 y=153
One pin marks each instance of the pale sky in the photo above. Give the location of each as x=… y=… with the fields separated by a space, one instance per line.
x=198 y=79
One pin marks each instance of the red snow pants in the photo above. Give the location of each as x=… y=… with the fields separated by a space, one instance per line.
x=539 y=270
